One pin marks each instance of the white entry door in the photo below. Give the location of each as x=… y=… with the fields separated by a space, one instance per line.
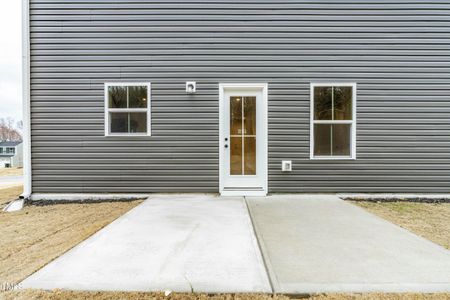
x=243 y=139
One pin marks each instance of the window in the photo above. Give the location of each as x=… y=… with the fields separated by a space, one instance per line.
x=1 y=150
x=10 y=150
x=127 y=109
x=333 y=126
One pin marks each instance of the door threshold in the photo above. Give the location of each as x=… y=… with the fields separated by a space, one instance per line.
x=257 y=192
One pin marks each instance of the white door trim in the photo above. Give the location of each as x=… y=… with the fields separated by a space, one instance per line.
x=264 y=89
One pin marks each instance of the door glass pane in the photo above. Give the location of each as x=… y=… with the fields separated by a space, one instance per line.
x=137 y=96
x=249 y=156
x=341 y=139
x=236 y=155
x=343 y=102
x=249 y=115
x=117 y=96
x=322 y=103
x=322 y=139
x=235 y=115
x=242 y=135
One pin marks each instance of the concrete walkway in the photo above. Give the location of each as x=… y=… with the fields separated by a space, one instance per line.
x=181 y=243
x=319 y=243
x=203 y=243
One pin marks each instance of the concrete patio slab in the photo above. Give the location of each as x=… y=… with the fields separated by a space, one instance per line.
x=182 y=243
x=320 y=243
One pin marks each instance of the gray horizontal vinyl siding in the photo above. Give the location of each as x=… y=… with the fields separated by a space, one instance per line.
x=398 y=53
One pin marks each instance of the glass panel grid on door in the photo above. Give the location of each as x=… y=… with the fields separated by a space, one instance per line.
x=242 y=135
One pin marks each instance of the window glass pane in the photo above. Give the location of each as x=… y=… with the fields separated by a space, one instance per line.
x=322 y=139
x=341 y=139
x=236 y=115
x=117 y=96
x=342 y=102
x=249 y=156
x=137 y=96
x=249 y=115
x=236 y=156
x=119 y=122
x=322 y=103
x=138 y=122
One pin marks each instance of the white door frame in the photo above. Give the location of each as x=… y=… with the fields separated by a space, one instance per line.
x=263 y=133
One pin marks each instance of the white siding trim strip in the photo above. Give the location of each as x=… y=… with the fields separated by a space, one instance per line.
x=27 y=184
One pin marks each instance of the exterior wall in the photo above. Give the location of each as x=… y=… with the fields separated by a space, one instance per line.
x=396 y=51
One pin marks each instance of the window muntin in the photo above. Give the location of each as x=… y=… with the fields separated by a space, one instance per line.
x=333 y=128
x=127 y=109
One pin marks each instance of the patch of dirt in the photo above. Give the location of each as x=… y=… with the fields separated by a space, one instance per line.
x=65 y=295
x=8 y=194
x=431 y=221
x=11 y=171
x=35 y=235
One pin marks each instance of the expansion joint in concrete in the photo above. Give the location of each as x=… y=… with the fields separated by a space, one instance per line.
x=269 y=273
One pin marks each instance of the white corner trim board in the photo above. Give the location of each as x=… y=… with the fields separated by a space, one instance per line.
x=27 y=187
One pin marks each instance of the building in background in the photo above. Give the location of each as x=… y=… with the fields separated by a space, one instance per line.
x=11 y=155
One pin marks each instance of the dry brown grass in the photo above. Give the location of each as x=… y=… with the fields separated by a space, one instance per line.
x=431 y=221
x=36 y=235
x=72 y=295
x=8 y=194
x=11 y=171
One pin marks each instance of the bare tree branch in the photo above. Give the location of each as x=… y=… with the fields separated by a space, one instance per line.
x=10 y=130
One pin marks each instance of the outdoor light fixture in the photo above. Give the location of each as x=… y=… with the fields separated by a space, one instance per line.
x=191 y=87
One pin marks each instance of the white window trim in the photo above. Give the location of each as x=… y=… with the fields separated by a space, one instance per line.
x=351 y=122
x=147 y=110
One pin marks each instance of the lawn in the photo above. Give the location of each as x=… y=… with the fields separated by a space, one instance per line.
x=36 y=235
x=8 y=194
x=66 y=295
x=431 y=221
x=11 y=171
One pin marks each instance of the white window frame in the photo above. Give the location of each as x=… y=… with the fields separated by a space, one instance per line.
x=352 y=122
x=127 y=110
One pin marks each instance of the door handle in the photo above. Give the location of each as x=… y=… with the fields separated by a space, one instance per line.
x=226 y=146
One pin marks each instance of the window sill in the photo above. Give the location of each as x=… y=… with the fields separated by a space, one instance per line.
x=128 y=135
x=332 y=158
